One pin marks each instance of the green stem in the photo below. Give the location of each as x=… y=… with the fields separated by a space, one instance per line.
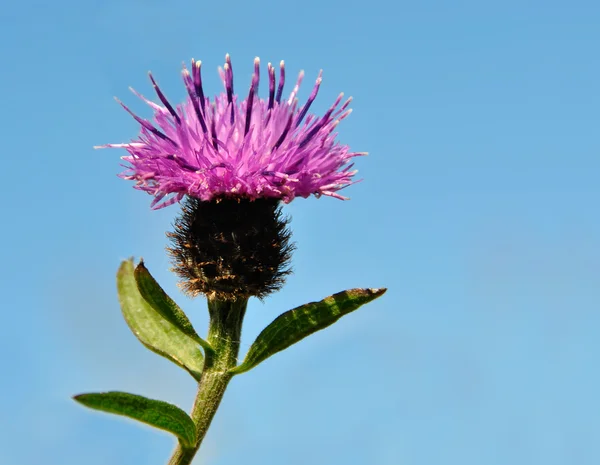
x=224 y=335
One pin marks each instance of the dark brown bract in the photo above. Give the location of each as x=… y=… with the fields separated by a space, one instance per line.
x=231 y=248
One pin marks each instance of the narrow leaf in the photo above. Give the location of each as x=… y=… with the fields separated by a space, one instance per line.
x=153 y=330
x=296 y=324
x=155 y=413
x=164 y=305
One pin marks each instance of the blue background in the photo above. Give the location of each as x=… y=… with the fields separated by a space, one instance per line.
x=478 y=209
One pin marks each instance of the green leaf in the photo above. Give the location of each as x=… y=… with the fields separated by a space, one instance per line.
x=164 y=305
x=153 y=330
x=296 y=324
x=155 y=413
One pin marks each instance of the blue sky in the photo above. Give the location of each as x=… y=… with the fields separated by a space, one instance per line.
x=478 y=210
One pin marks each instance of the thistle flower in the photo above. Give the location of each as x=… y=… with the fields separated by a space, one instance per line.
x=225 y=148
x=235 y=161
x=232 y=163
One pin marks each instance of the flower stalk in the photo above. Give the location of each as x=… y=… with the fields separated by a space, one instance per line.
x=224 y=334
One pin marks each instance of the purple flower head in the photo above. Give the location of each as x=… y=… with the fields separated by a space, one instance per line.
x=227 y=148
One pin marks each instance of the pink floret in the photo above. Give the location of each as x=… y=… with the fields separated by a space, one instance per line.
x=252 y=149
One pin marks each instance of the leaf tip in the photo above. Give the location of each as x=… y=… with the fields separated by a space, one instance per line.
x=378 y=291
x=140 y=268
x=81 y=399
x=125 y=265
